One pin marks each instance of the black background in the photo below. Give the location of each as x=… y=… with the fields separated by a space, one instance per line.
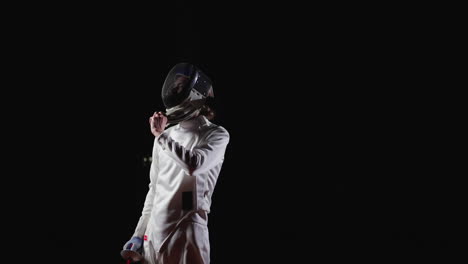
x=329 y=153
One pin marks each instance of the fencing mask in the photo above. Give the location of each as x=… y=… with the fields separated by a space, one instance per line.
x=184 y=92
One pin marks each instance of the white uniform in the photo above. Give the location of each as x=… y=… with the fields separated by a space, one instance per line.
x=187 y=159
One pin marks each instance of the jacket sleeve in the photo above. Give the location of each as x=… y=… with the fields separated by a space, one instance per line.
x=201 y=158
x=148 y=206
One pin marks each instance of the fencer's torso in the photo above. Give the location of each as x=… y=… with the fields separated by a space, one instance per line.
x=182 y=177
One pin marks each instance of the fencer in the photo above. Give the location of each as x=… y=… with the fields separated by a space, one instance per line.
x=186 y=161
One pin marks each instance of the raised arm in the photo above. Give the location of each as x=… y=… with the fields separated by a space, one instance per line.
x=201 y=158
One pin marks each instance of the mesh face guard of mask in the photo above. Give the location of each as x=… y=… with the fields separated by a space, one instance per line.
x=184 y=92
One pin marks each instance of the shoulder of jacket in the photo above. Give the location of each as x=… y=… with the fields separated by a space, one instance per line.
x=218 y=130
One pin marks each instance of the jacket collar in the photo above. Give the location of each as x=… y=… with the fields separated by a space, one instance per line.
x=194 y=123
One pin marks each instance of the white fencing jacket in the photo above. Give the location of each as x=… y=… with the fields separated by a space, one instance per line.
x=187 y=160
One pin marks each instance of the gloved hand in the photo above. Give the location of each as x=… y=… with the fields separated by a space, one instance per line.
x=133 y=244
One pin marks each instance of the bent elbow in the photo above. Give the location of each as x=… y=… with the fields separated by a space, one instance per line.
x=196 y=163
